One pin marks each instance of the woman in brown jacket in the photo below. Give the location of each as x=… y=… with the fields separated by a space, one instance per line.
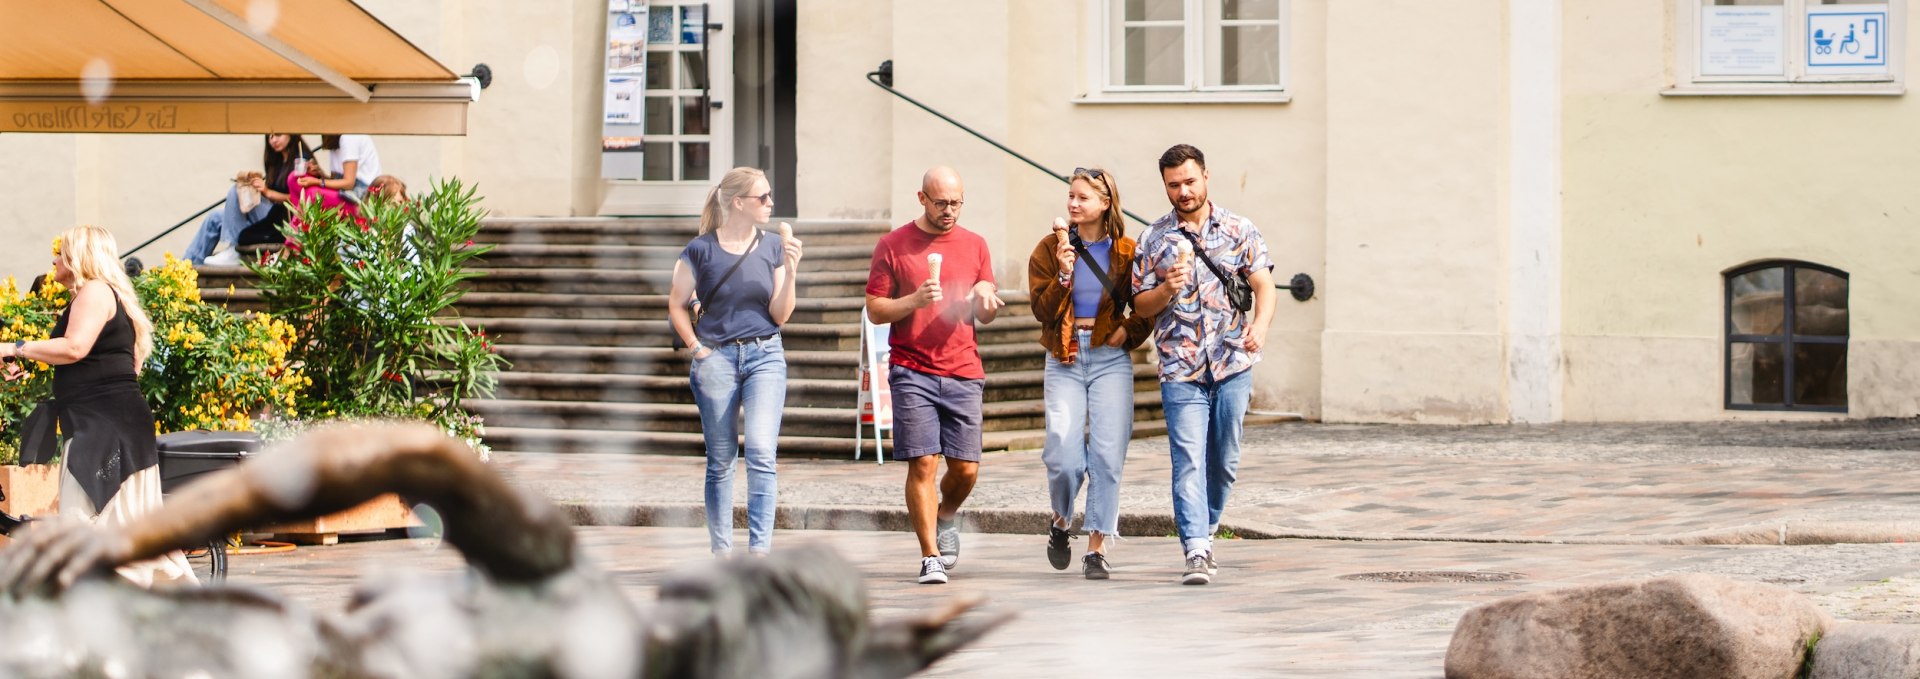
x=1085 y=324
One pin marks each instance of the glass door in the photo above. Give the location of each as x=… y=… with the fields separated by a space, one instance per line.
x=668 y=132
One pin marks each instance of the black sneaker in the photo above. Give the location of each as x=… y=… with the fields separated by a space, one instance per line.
x=932 y=572
x=947 y=538
x=1196 y=571
x=1059 y=553
x=1095 y=566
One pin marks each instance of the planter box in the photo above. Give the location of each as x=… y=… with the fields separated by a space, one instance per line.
x=383 y=513
x=32 y=489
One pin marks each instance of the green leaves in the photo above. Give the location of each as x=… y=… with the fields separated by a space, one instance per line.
x=372 y=298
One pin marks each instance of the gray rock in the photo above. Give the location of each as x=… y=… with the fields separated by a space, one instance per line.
x=1859 y=650
x=1683 y=627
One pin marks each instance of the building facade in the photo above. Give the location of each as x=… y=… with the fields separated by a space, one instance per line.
x=1515 y=210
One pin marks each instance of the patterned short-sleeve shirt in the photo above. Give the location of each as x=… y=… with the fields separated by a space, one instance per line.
x=1200 y=331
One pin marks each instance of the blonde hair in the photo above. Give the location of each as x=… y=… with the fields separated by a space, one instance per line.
x=734 y=184
x=92 y=255
x=1101 y=181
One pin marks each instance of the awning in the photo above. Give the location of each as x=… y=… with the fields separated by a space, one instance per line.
x=218 y=66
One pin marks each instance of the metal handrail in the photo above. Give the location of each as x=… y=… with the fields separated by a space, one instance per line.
x=883 y=79
x=176 y=227
x=1301 y=285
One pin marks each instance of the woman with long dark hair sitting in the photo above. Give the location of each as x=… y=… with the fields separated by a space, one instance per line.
x=285 y=157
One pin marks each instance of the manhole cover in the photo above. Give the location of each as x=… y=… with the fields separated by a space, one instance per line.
x=1434 y=576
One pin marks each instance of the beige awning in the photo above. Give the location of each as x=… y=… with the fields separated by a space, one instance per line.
x=218 y=66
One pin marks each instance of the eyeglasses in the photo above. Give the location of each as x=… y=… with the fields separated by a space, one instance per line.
x=764 y=198
x=944 y=205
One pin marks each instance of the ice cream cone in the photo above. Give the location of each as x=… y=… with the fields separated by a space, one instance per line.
x=933 y=266
x=786 y=232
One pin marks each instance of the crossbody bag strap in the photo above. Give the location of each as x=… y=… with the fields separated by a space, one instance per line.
x=1080 y=247
x=1202 y=252
x=751 y=246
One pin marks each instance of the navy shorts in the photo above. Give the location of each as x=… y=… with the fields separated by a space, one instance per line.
x=934 y=415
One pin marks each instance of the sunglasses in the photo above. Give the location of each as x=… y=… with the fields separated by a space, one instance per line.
x=764 y=198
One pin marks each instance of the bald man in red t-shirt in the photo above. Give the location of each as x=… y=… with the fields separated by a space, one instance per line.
x=936 y=376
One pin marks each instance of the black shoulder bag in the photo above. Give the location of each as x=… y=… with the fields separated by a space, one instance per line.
x=1239 y=291
x=1121 y=298
x=696 y=308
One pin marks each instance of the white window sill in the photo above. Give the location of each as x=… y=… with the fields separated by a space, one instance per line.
x=1835 y=89
x=1280 y=97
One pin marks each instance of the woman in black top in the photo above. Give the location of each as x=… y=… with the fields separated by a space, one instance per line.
x=110 y=468
x=284 y=157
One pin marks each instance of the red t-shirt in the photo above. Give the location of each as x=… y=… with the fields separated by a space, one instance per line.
x=938 y=339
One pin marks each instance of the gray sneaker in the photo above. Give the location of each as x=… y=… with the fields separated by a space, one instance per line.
x=947 y=538
x=1196 y=571
x=1213 y=567
x=931 y=572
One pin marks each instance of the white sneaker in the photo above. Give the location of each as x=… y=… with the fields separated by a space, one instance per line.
x=227 y=257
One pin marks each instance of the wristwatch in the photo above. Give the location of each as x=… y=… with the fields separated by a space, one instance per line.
x=18 y=346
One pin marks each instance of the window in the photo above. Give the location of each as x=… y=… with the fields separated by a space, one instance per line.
x=1190 y=50
x=1789 y=46
x=1787 y=337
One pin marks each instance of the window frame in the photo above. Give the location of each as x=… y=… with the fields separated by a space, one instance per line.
x=1788 y=338
x=1796 y=80
x=1202 y=28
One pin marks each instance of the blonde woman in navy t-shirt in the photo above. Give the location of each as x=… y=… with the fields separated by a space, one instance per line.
x=743 y=278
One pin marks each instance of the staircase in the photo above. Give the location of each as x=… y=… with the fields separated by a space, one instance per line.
x=579 y=307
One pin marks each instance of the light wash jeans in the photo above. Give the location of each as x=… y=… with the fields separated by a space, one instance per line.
x=1203 y=427
x=224 y=225
x=1089 y=422
x=749 y=377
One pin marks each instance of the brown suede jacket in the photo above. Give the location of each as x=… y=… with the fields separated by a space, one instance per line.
x=1052 y=302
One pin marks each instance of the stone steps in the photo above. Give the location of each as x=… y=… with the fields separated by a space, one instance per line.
x=578 y=305
x=811 y=421
x=544 y=256
x=801 y=392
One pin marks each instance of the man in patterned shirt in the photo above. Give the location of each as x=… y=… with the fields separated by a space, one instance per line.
x=1207 y=346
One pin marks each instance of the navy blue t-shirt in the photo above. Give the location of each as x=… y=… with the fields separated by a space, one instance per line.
x=739 y=308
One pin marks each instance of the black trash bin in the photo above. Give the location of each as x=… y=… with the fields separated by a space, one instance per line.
x=187 y=455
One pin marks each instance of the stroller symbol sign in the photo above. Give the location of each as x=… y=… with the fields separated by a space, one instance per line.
x=1847 y=39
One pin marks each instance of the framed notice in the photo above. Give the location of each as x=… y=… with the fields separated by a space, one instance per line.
x=1847 y=40
x=623 y=101
x=1743 y=40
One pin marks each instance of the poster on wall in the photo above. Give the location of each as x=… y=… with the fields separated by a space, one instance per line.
x=1743 y=40
x=621 y=133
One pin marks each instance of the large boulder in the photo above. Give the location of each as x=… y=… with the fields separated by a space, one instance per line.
x=1683 y=627
x=1856 y=650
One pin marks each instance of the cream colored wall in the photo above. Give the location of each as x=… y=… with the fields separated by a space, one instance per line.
x=530 y=136
x=843 y=126
x=1012 y=70
x=1416 y=210
x=1665 y=193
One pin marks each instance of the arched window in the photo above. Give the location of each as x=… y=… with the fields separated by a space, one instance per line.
x=1786 y=337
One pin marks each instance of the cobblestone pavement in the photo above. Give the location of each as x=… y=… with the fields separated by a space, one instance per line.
x=1747 y=482
x=1279 y=608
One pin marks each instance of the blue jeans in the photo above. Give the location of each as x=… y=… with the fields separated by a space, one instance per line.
x=749 y=377
x=1203 y=427
x=224 y=225
x=1089 y=422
